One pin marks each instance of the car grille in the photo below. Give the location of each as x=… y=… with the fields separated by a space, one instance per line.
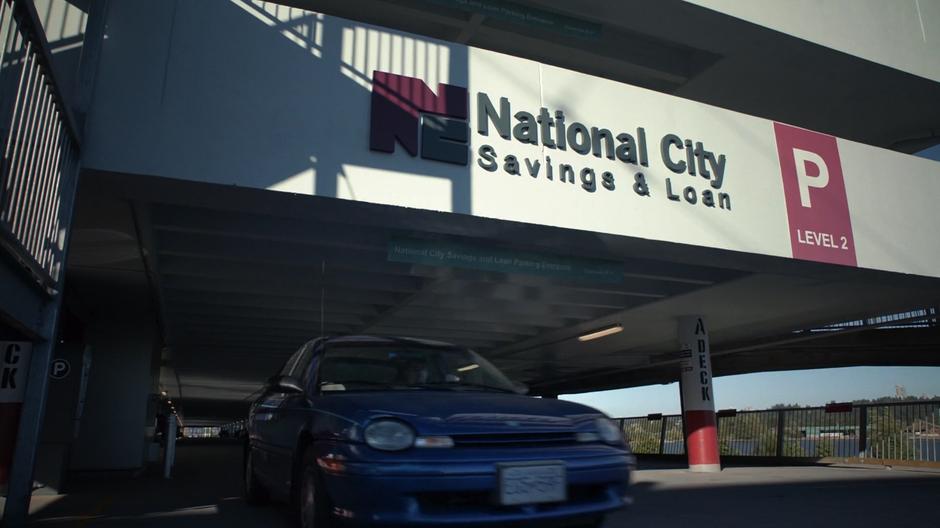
x=515 y=440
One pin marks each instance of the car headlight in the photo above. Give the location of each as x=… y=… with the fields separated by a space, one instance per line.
x=609 y=431
x=389 y=435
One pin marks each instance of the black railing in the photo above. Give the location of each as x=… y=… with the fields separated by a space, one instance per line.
x=903 y=431
x=39 y=145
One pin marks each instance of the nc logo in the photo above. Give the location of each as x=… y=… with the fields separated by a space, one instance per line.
x=404 y=109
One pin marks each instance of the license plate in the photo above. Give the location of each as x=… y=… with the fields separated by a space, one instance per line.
x=532 y=483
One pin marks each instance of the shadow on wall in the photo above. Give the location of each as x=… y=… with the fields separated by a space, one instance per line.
x=64 y=23
x=261 y=95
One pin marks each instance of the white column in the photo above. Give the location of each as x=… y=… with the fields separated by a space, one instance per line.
x=698 y=402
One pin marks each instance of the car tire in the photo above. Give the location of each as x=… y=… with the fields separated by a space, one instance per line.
x=254 y=490
x=313 y=503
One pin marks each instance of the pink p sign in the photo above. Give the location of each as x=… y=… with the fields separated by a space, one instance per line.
x=817 y=209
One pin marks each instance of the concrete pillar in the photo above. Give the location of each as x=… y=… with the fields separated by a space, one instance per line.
x=698 y=403
x=169 y=453
x=23 y=465
x=114 y=422
x=68 y=380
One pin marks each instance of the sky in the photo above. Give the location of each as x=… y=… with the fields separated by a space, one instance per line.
x=764 y=389
x=931 y=153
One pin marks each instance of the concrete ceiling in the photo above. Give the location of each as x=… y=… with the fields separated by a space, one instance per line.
x=237 y=279
x=692 y=52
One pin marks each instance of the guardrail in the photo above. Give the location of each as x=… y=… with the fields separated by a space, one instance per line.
x=40 y=148
x=903 y=431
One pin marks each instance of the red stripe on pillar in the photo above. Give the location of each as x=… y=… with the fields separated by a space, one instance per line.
x=9 y=425
x=701 y=437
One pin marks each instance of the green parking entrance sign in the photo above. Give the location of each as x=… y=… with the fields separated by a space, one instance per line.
x=457 y=255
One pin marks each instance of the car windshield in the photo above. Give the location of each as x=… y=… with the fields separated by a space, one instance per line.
x=394 y=367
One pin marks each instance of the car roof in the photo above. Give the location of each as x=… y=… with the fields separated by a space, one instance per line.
x=386 y=340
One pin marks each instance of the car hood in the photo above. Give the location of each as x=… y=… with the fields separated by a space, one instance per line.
x=459 y=412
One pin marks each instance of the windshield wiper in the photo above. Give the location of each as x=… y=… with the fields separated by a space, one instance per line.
x=458 y=384
x=443 y=385
x=359 y=382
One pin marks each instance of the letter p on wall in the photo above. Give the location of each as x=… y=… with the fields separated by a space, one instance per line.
x=814 y=189
x=802 y=160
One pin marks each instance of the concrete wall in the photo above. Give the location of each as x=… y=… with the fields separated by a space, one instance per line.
x=902 y=34
x=112 y=434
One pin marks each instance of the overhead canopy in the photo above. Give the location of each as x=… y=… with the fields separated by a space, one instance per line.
x=240 y=278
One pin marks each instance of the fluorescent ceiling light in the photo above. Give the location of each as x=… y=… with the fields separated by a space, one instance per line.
x=468 y=367
x=597 y=334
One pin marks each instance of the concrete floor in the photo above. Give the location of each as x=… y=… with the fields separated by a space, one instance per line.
x=206 y=493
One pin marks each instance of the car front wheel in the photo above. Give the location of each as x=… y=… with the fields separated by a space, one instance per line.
x=314 y=502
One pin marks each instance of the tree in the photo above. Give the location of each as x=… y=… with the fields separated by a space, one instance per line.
x=823 y=448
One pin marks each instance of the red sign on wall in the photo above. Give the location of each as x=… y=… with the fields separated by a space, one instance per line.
x=14 y=366
x=817 y=209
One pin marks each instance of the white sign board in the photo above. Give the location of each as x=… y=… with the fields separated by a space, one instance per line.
x=695 y=364
x=360 y=112
x=14 y=367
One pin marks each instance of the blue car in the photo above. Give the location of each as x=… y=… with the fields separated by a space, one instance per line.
x=364 y=430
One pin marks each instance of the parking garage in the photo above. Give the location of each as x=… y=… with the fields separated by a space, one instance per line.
x=367 y=180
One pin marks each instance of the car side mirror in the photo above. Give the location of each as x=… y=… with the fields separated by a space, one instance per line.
x=287 y=384
x=520 y=388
